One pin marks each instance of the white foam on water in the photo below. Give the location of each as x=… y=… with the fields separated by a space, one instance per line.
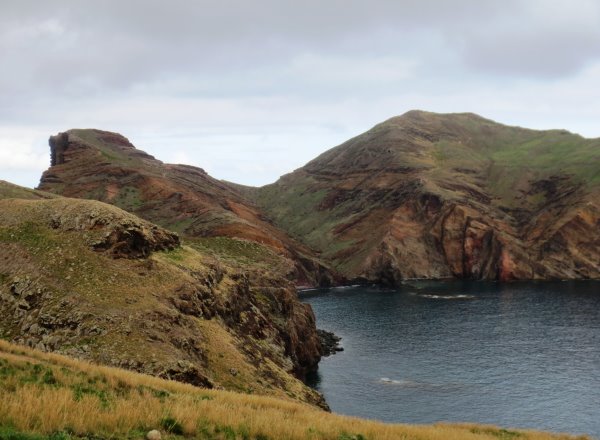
x=397 y=382
x=432 y=296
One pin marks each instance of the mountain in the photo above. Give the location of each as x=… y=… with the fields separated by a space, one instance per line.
x=89 y=280
x=427 y=195
x=422 y=195
x=105 y=166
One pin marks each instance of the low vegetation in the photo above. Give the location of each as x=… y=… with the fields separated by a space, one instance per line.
x=48 y=396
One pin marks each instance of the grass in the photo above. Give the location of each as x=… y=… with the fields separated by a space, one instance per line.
x=128 y=198
x=9 y=433
x=107 y=151
x=235 y=250
x=499 y=433
x=29 y=234
x=83 y=400
x=11 y=191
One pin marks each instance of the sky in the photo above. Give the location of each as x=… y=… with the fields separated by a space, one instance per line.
x=251 y=90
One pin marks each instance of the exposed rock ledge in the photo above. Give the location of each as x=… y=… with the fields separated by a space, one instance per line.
x=106 y=228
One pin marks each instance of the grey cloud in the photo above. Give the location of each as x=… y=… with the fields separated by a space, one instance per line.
x=547 y=40
x=81 y=45
x=534 y=55
x=270 y=66
x=77 y=49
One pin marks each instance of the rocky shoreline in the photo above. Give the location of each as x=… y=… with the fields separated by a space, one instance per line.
x=330 y=342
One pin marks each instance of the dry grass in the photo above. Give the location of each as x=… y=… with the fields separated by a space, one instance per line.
x=47 y=393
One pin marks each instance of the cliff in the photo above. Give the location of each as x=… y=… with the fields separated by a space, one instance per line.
x=427 y=195
x=422 y=195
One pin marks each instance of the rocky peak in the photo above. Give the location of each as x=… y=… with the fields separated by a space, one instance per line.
x=58 y=145
x=80 y=143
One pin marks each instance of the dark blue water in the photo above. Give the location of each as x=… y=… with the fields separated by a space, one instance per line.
x=523 y=355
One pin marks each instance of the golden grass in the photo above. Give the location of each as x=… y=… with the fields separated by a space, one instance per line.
x=46 y=393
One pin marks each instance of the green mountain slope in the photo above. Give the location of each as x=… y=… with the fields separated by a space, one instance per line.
x=448 y=195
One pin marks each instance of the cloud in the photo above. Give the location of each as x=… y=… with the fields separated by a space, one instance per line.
x=23 y=155
x=251 y=90
x=547 y=39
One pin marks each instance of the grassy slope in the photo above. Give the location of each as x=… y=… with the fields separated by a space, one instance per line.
x=508 y=156
x=12 y=191
x=51 y=396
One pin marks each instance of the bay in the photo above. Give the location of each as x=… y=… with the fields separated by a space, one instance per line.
x=523 y=354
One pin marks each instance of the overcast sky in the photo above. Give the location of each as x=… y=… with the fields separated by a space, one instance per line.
x=250 y=90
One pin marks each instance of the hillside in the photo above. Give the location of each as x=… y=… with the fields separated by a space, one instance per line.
x=47 y=396
x=89 y=280
x=105 y=166
x=11 y=191
x=427 y=195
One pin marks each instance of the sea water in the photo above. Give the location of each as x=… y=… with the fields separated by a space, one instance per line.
x=524 y=354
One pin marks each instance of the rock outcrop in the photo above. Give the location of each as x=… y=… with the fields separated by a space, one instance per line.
x=103 y=228
x=426 y=195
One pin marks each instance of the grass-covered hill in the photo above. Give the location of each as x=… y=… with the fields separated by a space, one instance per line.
x=428 y=195
x=89 y=280
x=105 y=166
x=11 y=191
x=52 y=397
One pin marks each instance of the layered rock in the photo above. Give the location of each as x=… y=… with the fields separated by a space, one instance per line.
x=422 y=195
x=434 y=196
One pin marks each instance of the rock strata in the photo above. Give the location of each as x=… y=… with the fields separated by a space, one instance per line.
x=428 y=195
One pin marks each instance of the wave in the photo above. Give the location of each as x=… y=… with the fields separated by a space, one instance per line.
x=398 y=382
x=345 y=287
x=433 y=296
x=421 y=385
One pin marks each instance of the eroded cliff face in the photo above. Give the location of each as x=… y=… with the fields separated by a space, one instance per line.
x=105 y=166
x=91 y=281
x=435 y=196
